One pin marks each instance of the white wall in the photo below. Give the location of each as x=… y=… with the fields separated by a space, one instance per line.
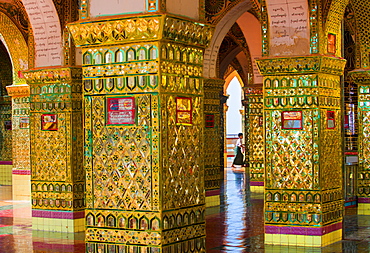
x=233 y=116
x=115 y=7
x=188 y=8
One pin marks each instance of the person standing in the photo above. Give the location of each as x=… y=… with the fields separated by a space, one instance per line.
x=239 y=150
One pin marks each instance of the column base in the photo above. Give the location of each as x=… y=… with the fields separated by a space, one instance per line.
x=257 y=186
x=303 y=236
x=58 y=221
x=6 y=173
x=192 y=245
x=363 y=206
x=213 y=198
x=21 y=184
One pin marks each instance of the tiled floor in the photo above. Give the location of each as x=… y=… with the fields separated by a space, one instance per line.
x=236 y=227
x=240 y=225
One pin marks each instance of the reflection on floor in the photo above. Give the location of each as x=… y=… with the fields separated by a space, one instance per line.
x=239 y=225
x=235 y=227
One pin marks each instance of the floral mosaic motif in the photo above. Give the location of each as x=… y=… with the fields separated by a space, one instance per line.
x=254 y=137
x=21 y=147
x=364 y=148
x=122 y=160
x=331 y=166
x=5 y=132
x=182 y=172
x=288 y=153
x=212 y=144
x=49 y=163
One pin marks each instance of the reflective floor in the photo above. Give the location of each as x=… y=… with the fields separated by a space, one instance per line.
x=236 y=227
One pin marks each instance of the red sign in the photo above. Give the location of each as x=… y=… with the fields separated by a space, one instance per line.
x=121 y=111
x=331 y=120
x=210 y=120
x=49 y=122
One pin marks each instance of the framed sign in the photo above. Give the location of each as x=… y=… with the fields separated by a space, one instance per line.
x=184 y=111
x=330 y=120
x=49 y=122
x=332 y=40
x=8 y=125
x=121 y=111
x=210 y=120
x=346 y=121
x=292 y=120
x=260 y=121
x=24 y=122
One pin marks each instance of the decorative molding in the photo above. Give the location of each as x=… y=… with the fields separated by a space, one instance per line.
x=53 y=75
x=360 y=76
x=141 y=28
x=301 y=65
x=213 y=83
x=18 y=90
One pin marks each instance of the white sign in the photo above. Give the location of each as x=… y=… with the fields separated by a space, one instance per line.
x=289 y=27
x=47 y=32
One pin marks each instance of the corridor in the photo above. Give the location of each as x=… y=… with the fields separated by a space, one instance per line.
x=236 y=227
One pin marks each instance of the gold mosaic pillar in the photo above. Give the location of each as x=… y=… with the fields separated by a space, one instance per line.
x=144 y=124
x=303 y=174
x=6 y=155
x=21 y=170
x=362 y=80
x=57 y=175
x=213 y=145
x=253 y=101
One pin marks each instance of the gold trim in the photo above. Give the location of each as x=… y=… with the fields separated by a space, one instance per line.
x=18 y=90
x=301 y=65
x=360 y=76
x=141 y=28
x=53 y=75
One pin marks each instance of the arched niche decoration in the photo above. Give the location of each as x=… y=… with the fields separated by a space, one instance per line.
x=230 y=77
x=222 y=28
x=252 y=31
x=361 y=33
x=16 y=45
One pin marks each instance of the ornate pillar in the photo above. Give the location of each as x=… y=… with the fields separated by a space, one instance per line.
x=213 y=142
x=303 y=175
x=362 y=79
x=21 y=169
x=144 y=125
x=5 y=140
x=57 y=178
x=254 y=141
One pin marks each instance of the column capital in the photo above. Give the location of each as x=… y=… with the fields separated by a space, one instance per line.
x=213 y=83
x=22 y=90
x=253 y=89
x=53 y=75
x=138 y=28
x=301 y=65
x=360 y=76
